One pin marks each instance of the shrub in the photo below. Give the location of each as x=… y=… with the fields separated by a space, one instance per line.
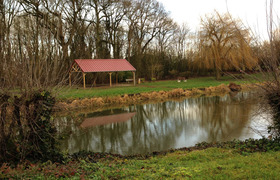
x=247 y=146
x=173 y=73
x=27 y=132
x=274 y=102
x=153 y=79
x=184 y=74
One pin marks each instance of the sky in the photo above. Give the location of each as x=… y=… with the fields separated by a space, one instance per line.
x=251 y=12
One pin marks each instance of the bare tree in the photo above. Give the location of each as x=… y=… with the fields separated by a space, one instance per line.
x=114 y=13
x=8 y=13
x=144 y=21
x=269 y=56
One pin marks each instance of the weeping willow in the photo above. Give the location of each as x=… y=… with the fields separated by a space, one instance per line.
x=224 y=44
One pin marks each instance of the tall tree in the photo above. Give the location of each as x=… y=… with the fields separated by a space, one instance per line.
x=114 y=12
x=224 y=43
x=8 y=12
x=144 y=21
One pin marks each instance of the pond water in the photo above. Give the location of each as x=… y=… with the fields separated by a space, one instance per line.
x=141 y=129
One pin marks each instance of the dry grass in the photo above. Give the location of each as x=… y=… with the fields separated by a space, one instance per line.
x=99 y=102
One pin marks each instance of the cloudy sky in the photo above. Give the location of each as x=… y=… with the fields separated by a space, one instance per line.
x=251 y=12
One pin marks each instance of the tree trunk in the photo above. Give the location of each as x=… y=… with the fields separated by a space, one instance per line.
x=218 y=68
x=218 y=74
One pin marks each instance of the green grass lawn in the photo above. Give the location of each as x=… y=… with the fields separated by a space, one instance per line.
x=74 y=92
x=211 y=163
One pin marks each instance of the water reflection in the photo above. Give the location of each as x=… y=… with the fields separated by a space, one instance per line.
x=103 y=120
x=155 y=127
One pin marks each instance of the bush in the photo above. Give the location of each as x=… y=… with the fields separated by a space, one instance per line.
x=173 y=73
x=247 y=146
x=27 y=132
x=274 y=102
x=184 y=74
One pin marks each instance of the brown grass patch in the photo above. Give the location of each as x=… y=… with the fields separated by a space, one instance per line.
x=147 y=97
x=217 y=89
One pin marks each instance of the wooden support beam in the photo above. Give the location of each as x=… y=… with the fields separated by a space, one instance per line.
x=110 y=79
x=70 y=79
x=84 y=79
x=134 y=82
x=116 y=77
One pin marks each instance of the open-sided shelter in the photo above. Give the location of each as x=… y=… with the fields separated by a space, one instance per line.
x=100 y=65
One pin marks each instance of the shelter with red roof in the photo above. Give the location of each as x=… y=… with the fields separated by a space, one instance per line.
x=100 y=65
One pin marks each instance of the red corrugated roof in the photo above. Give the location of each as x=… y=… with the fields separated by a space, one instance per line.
x=104 y=65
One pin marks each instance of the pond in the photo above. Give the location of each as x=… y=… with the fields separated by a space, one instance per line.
x=141 y=129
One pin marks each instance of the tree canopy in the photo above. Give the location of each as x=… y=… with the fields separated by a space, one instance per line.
x=224 y=44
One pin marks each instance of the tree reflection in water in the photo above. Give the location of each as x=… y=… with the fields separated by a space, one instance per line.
x=162 y=126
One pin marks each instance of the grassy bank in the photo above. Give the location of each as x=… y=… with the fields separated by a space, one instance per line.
x=104 y=97
x=211 y=163
x=80 y=93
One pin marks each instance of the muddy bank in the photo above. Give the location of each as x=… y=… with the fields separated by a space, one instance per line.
x=160 y=96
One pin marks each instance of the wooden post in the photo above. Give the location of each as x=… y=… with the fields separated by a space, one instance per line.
x=134 y=78
x=116 y=77
x=110 y=79
x=70 y=79
x=84 y=79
